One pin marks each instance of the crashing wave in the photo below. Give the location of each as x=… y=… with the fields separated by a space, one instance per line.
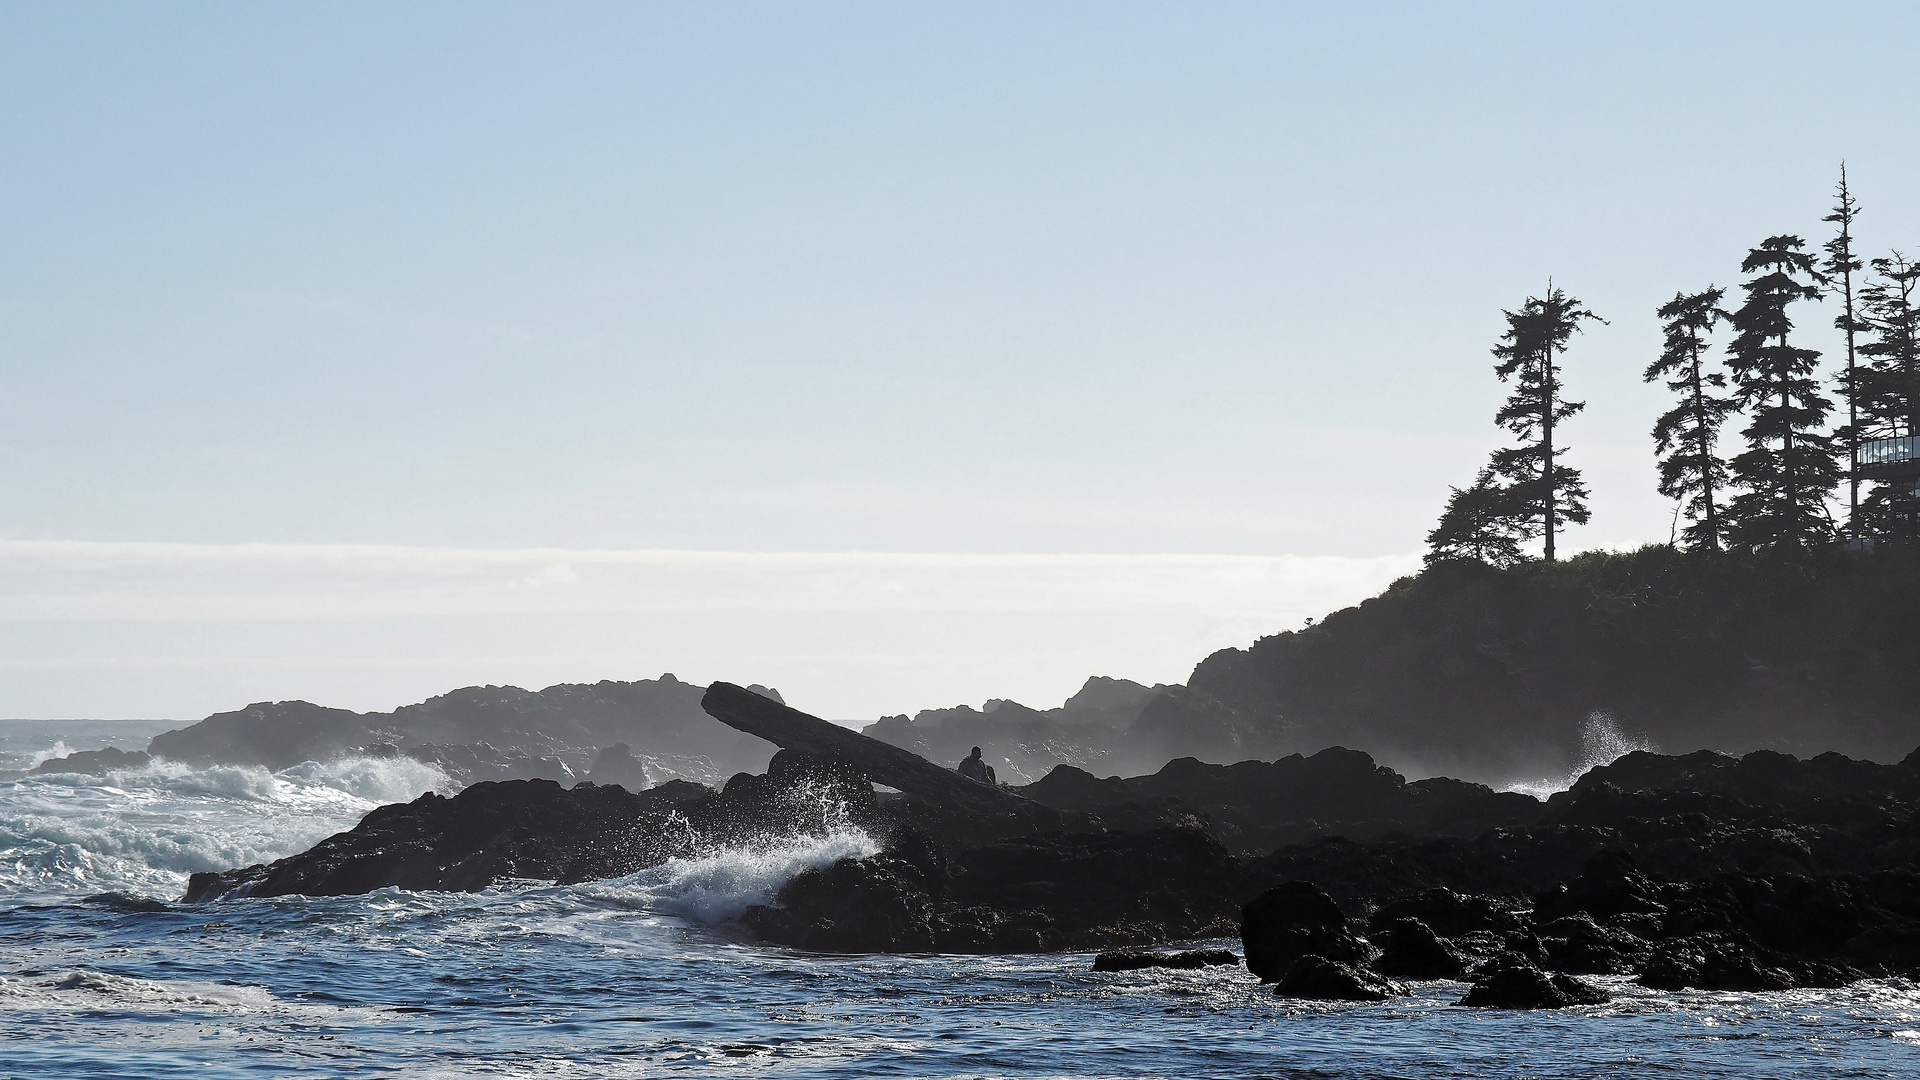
x=1602 y=742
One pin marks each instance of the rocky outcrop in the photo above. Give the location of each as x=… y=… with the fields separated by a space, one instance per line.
x=566 y=723
x=94 y=762
x=1187 y=960
x=1036 y=893
x=1511 y=981
x=616 y=765
x=1093 y=730
x=536 y=829
x=1258 y=805
x=1411 y=950
x=1755 y=873
x=1313 y=976
x=1294 y=920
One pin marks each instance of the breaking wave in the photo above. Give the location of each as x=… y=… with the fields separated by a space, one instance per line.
x=142 y=830
x=1602 y=742
x=717 y=886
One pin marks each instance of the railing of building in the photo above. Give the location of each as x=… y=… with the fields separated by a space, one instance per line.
x=1890 y=451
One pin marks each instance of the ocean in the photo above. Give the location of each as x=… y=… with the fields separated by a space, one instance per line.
x=104 y=974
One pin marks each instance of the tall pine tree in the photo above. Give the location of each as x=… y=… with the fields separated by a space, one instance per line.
x=1686 y=435
x=1524 y=492
x=1788 y=468
x=1543 y=492
x=1839 y=267
x=1890 y=383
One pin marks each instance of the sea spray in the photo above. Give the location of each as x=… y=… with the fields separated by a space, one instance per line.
x=142 y=830
x=713 y=880
x=1602 y=742
x=720 y=884
x=38 y=758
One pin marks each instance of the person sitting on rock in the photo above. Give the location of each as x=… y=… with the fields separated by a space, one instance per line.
x=974 y=768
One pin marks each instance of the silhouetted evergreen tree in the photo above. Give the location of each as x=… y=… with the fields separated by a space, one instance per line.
x=1839 y=267
x=1541 y=490
x=1524 y=492
x=1686 y=435
x=1479 y=523
x=1788 y=468
x=1890 y=380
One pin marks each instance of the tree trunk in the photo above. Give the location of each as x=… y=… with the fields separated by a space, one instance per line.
x=1546 y=442
x=882 y=763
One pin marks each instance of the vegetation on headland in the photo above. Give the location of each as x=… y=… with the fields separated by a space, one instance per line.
x=1491 y=673
x=1775 y=494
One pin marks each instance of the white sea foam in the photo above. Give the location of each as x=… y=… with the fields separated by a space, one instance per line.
x=719 y=885
x=1601 y=743
x=85 y=989
x=142 y=830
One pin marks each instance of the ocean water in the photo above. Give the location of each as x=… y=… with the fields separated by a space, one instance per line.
x=102 y=974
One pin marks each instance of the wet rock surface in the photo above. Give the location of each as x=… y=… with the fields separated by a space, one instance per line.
x=1413 y=951
x=1511 y=981
x=1313 y=976
x=1294 y=920
x=1187 y=960
x=1030 y=894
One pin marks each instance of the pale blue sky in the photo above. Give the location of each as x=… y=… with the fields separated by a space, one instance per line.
x=1060 y=278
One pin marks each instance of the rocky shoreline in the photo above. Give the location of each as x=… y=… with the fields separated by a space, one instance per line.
x=1700 y=871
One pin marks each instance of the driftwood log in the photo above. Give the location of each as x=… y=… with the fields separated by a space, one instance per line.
x=791 y=729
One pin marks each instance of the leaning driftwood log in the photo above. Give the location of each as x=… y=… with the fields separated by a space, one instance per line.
x=791 y=729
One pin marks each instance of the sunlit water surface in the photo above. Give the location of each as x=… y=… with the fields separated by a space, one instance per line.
x=642 y=976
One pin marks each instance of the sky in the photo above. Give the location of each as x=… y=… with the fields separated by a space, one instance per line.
x=1041 y=321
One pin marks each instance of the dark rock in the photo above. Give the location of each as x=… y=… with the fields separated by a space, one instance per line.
x=616 y=765
x=1254 y=805
x=487 y=833
x=1714 y=962
x=1449 y=914
x=495 y=831
x=662 y=715
x=878 y=904
x=1512 y=981
x=1413 y=951
x=120 y=901
x=1312 y=976
x=1022 y=895
x=95 y=762
x=1294 y=920
x=1577 y=945
x=1135 y=959
x=1609 y=885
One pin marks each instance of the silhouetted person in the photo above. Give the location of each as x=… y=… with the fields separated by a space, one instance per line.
x=976 y=769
